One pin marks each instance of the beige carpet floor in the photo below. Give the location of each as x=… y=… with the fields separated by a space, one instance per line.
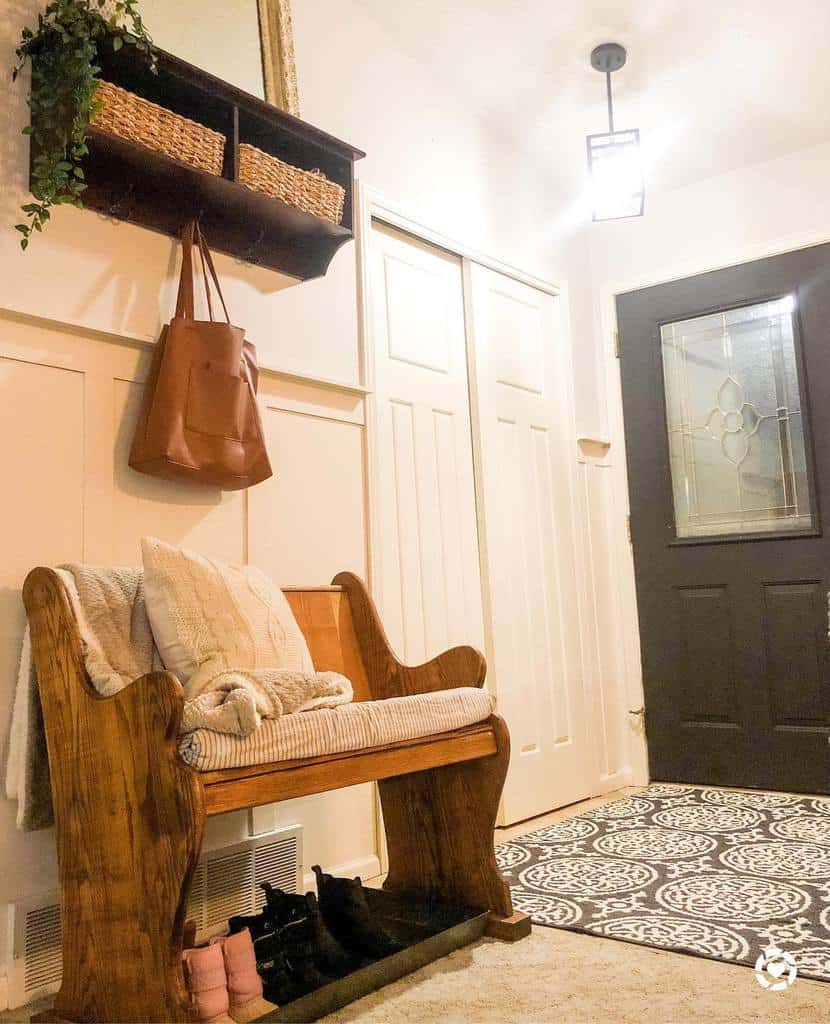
x=563 y=976
x=557 y=976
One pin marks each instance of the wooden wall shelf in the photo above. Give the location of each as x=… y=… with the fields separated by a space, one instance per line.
x=131 y=182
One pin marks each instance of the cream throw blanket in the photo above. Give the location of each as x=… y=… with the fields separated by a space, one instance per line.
x=118 y=648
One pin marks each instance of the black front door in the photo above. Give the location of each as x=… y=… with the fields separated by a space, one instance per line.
x=726 y=396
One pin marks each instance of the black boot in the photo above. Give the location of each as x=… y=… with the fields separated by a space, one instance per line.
x=273 y=968
x=297 y=941
x=329 y=956
x=258 y=924
x=346 y=912
x=295 y=927
x=283 y=907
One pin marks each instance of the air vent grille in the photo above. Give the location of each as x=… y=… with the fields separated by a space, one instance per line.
x=196 y=899
x=230 y=887
x=225 y=883
x=42 y=965
x=277 y=863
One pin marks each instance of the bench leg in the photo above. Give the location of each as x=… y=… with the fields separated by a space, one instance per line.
x=508 y=929
x=127 y=853
x=439 y=833
x=129 y=816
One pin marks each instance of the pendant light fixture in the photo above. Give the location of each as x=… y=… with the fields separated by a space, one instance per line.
x=614 y=156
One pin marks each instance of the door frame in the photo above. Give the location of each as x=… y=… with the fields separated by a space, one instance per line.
x=612 y=428
x=373 y=205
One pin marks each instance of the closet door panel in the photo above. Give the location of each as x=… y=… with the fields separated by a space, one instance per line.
x=426 y=577
x=522 y=435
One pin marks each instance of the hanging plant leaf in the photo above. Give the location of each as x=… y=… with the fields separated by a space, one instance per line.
x=63 y=52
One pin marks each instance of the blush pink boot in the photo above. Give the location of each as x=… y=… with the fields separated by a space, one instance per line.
x=244 y=984
x=207 y=983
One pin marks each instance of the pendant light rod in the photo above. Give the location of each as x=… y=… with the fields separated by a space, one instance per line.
x=610 y=102
x=608 y=58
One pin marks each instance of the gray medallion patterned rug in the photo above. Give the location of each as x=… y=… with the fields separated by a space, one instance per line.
x=704 y=871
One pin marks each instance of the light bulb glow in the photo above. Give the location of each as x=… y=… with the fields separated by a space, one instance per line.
x=616 y=174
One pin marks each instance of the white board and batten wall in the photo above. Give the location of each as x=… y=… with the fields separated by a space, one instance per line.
x=473 y=472
x=70 y=400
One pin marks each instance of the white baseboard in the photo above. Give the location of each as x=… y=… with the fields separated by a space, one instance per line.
x=365 y=868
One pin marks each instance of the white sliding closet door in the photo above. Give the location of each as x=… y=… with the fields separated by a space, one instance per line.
x=522 y=431
x=426 y=579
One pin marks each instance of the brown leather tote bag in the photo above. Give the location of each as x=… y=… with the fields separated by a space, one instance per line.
x=199 y=419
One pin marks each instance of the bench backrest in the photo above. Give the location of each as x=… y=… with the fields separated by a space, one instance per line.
x=324 y=615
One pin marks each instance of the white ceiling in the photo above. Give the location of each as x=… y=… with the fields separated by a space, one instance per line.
x=711 y=84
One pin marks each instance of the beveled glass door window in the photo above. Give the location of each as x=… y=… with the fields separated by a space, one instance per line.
x=735 y=422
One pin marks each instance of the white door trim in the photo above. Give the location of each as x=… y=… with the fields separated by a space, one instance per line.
x=612 y=429
x=373 y=205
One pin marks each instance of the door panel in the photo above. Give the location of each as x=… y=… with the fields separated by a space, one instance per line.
x=522 y=432
x=427 y=580
x=706 y=671
x=726 y=383
x=793 y=626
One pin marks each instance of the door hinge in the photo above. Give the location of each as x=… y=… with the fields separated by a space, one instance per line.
x=628 y=528
x=616 y=344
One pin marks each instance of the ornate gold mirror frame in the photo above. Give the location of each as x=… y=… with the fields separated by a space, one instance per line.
x=278 y=68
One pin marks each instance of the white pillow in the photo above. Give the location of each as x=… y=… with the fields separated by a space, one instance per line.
x=204 y=613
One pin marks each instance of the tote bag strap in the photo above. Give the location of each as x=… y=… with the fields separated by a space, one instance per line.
x=207 y=264
x=184 y=300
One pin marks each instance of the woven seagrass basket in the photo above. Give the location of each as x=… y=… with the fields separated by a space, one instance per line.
x=131 y=117
x=307 y=190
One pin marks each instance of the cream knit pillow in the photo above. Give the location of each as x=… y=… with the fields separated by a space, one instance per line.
x=206 y=614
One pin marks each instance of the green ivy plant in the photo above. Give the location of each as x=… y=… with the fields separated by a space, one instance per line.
x=63 y=52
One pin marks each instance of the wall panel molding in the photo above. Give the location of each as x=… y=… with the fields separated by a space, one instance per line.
x=70 y=401
x=74 y=327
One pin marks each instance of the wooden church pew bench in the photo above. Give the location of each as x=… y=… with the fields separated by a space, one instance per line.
x=130 y=814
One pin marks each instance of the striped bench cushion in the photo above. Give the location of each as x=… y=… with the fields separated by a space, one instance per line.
x=370 y=723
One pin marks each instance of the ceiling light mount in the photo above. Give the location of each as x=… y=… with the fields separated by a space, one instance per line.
x=608 y=57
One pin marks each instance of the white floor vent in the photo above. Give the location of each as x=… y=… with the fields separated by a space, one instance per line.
x=35 y=970
x=226 y=882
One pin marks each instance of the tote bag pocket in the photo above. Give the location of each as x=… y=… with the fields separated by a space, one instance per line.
x=217 y=405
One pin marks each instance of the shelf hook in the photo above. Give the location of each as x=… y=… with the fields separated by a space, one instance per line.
x=249 y=256
x=116 y=208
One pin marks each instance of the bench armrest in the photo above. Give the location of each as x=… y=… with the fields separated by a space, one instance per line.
x=388 y=676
